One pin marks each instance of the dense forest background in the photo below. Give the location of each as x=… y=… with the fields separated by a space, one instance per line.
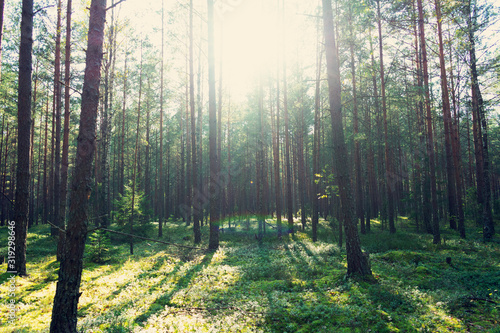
x=221 y=114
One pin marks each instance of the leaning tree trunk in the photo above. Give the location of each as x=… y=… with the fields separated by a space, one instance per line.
x=21 y=205
x=357 y=261
x=64 y=311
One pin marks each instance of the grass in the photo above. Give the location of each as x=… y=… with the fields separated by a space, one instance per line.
x=292 y=285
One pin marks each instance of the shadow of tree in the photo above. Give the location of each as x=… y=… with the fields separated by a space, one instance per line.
x=165 y=299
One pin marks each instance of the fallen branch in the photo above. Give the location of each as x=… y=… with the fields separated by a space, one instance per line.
x=200 y=309
x=481 y=299
x=151 y=240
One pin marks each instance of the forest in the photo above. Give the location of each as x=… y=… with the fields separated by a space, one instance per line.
x=249 y=166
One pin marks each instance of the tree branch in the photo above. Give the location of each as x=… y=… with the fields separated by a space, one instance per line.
x=116 y=4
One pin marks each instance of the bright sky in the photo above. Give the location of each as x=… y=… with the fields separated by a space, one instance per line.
x=250 y=30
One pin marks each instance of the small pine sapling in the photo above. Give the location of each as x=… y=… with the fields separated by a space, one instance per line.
x=98 y=248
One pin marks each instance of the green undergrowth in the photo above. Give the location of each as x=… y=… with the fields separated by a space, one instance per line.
x=287 y=285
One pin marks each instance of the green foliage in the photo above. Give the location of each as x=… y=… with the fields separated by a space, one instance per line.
x=327 y=180
x=288 y=285
x=123 y=206
x=98 y=247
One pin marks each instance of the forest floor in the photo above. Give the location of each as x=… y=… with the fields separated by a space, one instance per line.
x=288 y=285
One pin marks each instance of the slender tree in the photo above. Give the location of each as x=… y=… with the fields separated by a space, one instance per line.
x=197 y=209
x=389 y=183
x=448 y=127
x=161 y=190
x=67 y=109
x=2 y=6
x=213 y=242
x=57 y=115
x=481 y=132
x=430 y=132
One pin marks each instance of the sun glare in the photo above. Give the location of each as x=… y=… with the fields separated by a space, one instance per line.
x=247 y=44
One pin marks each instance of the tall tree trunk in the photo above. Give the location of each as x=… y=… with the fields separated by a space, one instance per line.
x=67 y=109
x=448 y=126
x=482 y=154
x=147 y=170
x=2 y=5
x=57 y=114
x=316 y=139
x=288 y=171
x=122 y=147
x=357 y=261
x=430 y=133
x=32 y=152
x=161 y=190
x=276 y=150
x=213 y=242
x=134 y=166
x=375 y=202
x=357 y=153
x=456 y=154
x=197 y=206
x=45 y=166
x=21 y=205
x=389 y=174
x=65 y=306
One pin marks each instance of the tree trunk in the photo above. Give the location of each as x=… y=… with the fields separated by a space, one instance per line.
x=197 y=206
x=21 y=205
x=161 y=190
x=482 y=154
x=316 y=139
x=357 y=261
x=389 y=174
x=65 y=146
x=430 y=133
x=2 y=5
x=64 y=311
x=456 y=154
x=213 y=242
x=134 y=166
x=57 y=115
x=276 y=156
x=357 y=153
x=450 y=166
x=288 y=172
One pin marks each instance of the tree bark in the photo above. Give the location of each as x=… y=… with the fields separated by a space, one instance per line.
x=21 y=205
x=65 y=306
